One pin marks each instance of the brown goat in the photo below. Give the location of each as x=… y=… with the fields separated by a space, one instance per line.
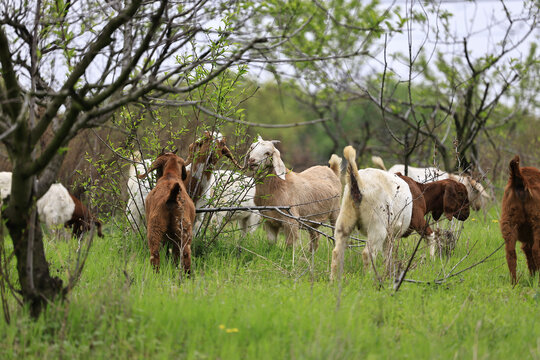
x=203 y=156
x=170 y=211
x=520 y=216
x=444 y=196
x=82 y=219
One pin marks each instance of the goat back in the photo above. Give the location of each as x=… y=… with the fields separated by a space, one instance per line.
x=523 y=180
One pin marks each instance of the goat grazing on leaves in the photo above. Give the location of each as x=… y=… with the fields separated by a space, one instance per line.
x=204 y=154
x=170 y=212
x=312 y=194
x=438 y=197
x=478 y=196
x=520 y=216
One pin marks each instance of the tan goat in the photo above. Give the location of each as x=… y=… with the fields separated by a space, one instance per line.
x=313 y=194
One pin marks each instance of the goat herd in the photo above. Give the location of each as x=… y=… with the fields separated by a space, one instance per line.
x=382 y=204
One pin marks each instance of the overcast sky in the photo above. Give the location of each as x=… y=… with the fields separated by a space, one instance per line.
x=484 y=22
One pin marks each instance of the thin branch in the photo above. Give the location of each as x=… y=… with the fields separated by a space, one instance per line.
x=274 y=126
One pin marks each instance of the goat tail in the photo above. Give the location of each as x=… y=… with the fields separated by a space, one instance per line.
x=516 y=179
x=335 y=165
x=378 y=162
x=353 y=179
x=173 y=196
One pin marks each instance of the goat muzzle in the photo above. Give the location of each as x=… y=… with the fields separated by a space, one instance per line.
x=229 y=154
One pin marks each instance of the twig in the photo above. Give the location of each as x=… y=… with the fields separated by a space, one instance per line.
x=442 y=280
x=241 y=208
x=402 y=276
x=273 y=126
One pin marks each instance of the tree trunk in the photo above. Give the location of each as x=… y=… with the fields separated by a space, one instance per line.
x=37 y=285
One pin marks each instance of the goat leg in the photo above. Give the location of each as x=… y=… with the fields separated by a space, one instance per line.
x=511 y=258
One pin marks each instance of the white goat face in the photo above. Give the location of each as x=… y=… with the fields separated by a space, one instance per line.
x=263 y=154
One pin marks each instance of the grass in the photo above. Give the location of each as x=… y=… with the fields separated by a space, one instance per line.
x=250 y=300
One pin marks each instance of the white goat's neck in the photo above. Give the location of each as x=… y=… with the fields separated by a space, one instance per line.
x=200 y=180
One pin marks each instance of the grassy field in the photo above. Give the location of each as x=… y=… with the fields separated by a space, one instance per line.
x=250 y=300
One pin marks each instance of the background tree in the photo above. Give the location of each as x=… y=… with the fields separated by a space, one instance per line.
x=454 y=95
x=342 y=34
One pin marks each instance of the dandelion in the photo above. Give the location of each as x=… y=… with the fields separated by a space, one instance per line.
x=221 y=327
x=473 y=219
x=495 y=220
x=232 y=330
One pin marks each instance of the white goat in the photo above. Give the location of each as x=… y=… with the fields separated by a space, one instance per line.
x=138 y=189
x=378 y=202
x=56 y=207
x=478 y=196
x=234 y=189
x=312 y=194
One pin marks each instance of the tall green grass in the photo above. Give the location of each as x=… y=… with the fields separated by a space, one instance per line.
x=251 y=300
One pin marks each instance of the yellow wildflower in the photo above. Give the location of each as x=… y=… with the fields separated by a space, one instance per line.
x=473 y=219
x=222 y=326
x=233 y=330
x=495 y=220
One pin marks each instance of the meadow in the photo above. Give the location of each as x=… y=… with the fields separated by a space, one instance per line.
x=248 y=299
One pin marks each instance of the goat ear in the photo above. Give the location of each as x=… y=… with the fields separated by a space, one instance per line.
x=184 y=172
x=259 y=138
x=156 y=165
x=449 y=201
x=279 y=166
x=275 y=142
x=175 y=151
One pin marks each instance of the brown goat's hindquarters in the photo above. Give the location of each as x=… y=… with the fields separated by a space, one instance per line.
x=170 y=212
x=520 y=216
x=170 y=223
